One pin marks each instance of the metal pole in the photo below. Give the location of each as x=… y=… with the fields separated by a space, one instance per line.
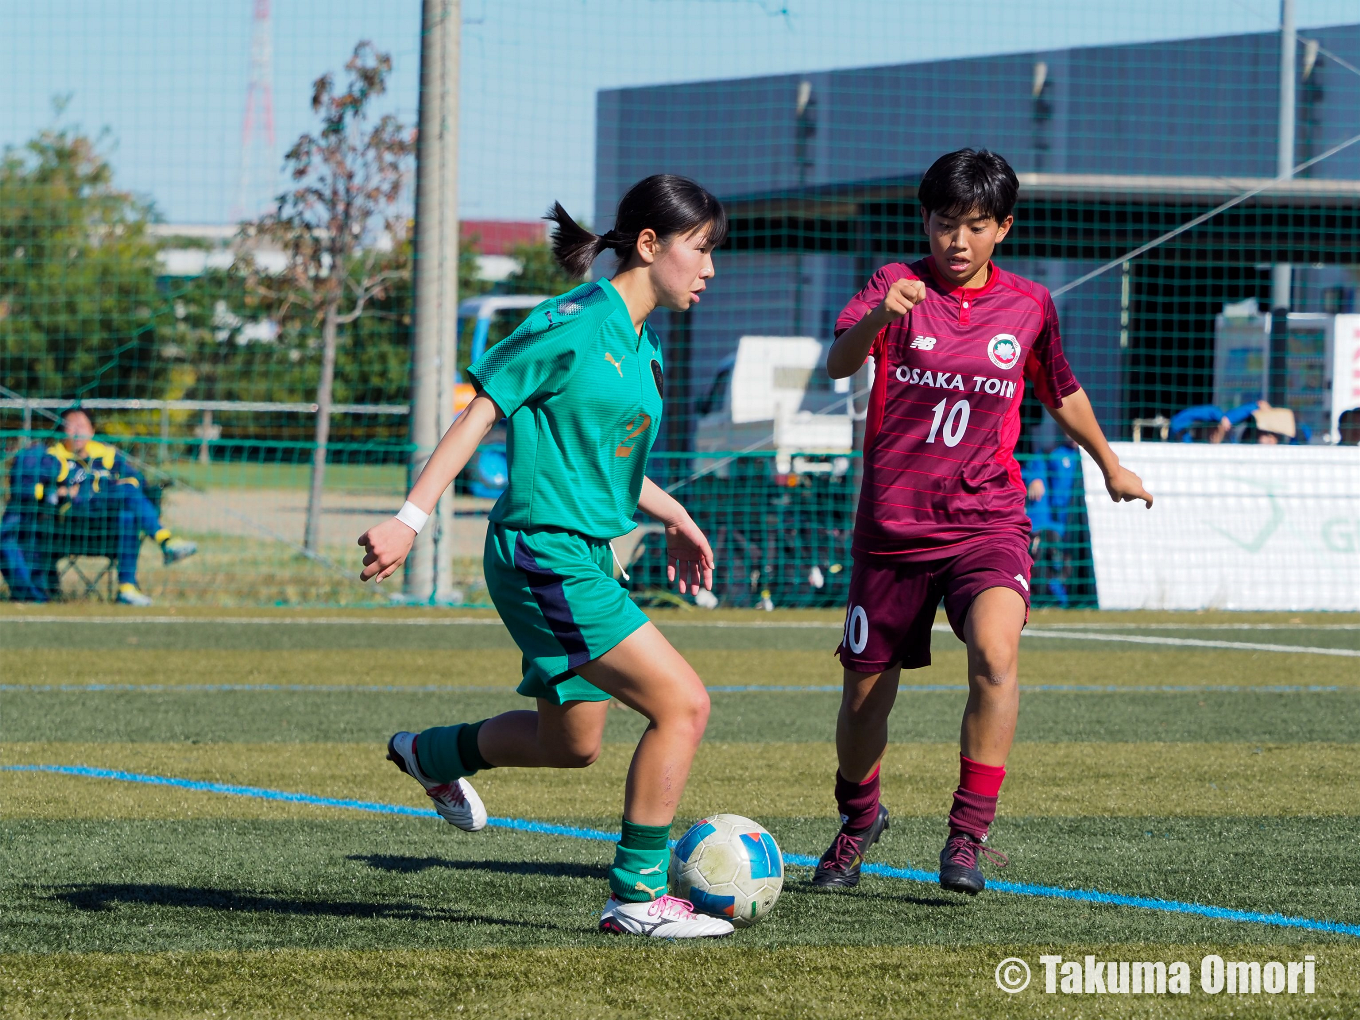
x=1281 y=277
x=204 y=457
x=429 y=569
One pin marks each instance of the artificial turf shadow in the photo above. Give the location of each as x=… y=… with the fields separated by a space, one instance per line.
x=369 y=883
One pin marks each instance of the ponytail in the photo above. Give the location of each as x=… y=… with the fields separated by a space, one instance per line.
x=668 y=204
x=574 y=247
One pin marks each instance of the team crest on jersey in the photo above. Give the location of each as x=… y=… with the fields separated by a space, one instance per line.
x=1004 y=350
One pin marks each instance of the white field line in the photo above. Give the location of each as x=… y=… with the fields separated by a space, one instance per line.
x=263 y=621
x=1240 y=646
x=1069 y=634
x=1204 y=626
x=491 y=621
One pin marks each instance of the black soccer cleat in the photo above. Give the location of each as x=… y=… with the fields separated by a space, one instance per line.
x=959 y=871
x=839 y=866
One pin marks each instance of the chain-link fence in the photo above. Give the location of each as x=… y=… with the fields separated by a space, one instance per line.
x=172 y=262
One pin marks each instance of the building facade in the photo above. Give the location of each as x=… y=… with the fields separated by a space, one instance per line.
x=803 y=148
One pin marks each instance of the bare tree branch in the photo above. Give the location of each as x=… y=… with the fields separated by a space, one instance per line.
x=347 y=177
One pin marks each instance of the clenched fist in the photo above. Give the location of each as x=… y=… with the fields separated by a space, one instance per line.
x=902 y=297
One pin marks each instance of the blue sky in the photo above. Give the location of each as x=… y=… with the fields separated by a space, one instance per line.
x=167 y=78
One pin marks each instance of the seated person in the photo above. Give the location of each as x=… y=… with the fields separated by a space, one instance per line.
x=1276 y=426
x=27 y=566
x=1208 y=423
x=84 y=477
x=1348 y=427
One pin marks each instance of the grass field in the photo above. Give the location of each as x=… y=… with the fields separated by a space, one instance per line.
x=229 y=474
x=1168 y=757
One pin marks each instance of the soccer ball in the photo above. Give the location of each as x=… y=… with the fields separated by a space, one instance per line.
x=728 y=866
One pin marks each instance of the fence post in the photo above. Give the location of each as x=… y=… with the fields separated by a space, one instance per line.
x=1281 y=276
x=165 y=433
x=203 y=456
x=429 y=568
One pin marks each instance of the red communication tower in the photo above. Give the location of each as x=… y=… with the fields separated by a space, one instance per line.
x=257 y=123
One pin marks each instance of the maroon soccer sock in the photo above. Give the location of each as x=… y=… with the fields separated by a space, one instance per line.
x=975 y=799
x=858 y=801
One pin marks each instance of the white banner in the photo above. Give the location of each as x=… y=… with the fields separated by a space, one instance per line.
x=1345 y=366
x=1233 y=527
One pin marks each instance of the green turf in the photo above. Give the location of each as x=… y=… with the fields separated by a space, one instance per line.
x=745 y=716
x=588 y=982
x=125 y=900
x=381 y=478
x=1077 y=780
x=391 y=883
x=686 y=634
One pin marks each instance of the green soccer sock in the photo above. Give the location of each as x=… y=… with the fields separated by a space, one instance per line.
x=446 y=753
x=641 y=862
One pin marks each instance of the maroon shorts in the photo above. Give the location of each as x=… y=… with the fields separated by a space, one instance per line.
x=892 y=603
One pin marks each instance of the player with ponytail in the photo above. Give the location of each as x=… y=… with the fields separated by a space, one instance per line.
x=580 y=382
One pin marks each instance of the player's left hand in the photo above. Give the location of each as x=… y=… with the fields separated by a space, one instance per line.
x=1125 y=487
x=689 y=557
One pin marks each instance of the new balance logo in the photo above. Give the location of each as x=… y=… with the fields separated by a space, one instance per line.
x=924 y=343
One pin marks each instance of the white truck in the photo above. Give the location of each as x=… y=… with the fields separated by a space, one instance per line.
x=774 y=394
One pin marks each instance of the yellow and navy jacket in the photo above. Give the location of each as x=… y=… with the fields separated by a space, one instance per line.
x=25 y=474
x=96 y=470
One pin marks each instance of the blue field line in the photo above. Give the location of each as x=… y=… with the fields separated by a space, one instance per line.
x=798 y=860
x=714 y=689
x=263 y=793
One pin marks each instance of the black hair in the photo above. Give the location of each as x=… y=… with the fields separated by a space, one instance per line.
x=966 y=180
x=89 y=415
x=1348 y=427
x=668 y=204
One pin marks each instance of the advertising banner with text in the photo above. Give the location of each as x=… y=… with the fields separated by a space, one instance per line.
x=1233 y=527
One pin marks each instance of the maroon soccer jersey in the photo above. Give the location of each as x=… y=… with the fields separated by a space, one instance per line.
x=944 y=411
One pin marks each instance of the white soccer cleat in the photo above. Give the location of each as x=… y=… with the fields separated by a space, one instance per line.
x=667 y=918
x=457 y=802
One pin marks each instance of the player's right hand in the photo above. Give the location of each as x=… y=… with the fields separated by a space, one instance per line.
x=902 y=297
x=386 y=547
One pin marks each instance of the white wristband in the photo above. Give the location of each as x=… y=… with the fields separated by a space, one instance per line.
x=412 y=516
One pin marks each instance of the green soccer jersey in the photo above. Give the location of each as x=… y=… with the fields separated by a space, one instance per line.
x=582 y=393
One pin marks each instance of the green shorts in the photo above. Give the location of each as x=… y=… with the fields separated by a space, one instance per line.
x=556 y=593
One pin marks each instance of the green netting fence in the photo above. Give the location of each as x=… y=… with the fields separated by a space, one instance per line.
x=160 y=268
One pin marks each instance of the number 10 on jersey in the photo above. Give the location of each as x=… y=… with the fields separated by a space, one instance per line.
x=954 y=425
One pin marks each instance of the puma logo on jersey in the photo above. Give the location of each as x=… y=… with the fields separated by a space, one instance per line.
x=1021 y=579
x=924 y=343
x=617 y=364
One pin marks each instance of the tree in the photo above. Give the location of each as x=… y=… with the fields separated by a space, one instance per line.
x=348 y=179
x=78 y=300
